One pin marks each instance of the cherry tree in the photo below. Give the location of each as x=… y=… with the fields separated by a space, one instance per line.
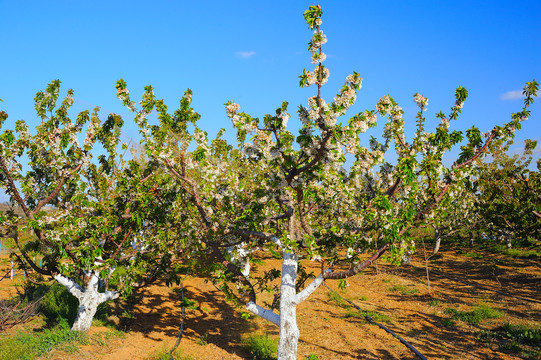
x=508 y=194
x=328 y=193
x=457 y=213
x=87 y=218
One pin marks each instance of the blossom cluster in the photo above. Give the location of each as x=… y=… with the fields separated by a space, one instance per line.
x=421 y=101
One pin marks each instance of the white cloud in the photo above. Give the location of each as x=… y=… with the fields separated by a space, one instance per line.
x=245 y=54
x=511 y=95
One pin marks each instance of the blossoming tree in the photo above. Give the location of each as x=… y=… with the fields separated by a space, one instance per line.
x=508 y=194
x=298 y=193
x=88 y=219
x=456 y=213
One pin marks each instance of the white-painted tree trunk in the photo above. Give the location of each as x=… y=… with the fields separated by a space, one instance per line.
x=289 y=332
x=289 y=299
x=89 y=298
x=437 y=242
x=508 y=241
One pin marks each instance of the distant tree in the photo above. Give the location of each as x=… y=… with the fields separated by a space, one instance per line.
x=509 y=195
x=457 y=214
x=87 y=219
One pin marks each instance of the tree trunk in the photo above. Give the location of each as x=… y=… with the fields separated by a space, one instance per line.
x=89 y=298
x=289 y=332
x=437 y=242
x=507 y=238
x=88 y=305
x=289 y=299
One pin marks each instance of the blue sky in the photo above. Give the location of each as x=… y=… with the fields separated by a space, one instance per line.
x=252 y=52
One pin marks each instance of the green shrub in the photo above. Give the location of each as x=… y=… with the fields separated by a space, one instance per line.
x=262 y=347
x=523 y=334
x=58 y=304
x=447 y=322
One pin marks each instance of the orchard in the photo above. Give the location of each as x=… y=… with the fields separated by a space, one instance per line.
x=326 y=201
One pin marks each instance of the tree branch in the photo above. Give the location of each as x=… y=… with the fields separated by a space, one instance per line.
x=71 y=285
x=356 y=269
x=15 y=237
x=307 y=291
x=56 y=191
x=477 y=154
x=14 y=189
x=264 y=313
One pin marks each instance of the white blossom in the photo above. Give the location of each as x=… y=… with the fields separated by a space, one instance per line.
x=421 y=101
x=232 y=109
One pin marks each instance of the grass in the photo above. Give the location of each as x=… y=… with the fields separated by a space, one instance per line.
x=374 y=315
x=474 y=255
x=58 y=309
x=474 y=317
x=448 y=322
x=403 y=290
x=521 y=339
x=377 y=316
x=163 y=354
x=203 y=339
x=103 y=338
x=522 y=253
x=28 y=345
x=334 y=297
x=262 y=347
x=523 y=249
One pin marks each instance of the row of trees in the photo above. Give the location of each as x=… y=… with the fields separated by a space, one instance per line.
x=509 y=201
x=108 y=223
x=501 y=200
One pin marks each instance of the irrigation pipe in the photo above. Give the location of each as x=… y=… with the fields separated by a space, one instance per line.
x=369 y=319
x=481 y=287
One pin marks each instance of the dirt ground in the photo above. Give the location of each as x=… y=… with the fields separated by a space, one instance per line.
x=329 y=329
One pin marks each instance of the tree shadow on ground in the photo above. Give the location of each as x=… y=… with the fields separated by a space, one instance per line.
x=157 y=313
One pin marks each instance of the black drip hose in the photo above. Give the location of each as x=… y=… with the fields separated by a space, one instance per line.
x=369 y=319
